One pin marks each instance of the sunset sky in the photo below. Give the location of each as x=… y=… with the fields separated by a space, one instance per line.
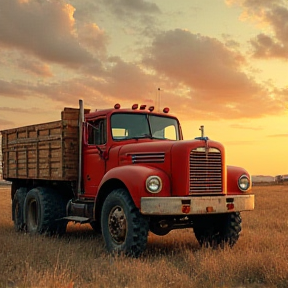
x=218 y=63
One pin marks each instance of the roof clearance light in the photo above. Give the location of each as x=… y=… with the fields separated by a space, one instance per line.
x=151 y=108
x=134 y=106
x=142 y=107
x=117 y=106
x=166 y=110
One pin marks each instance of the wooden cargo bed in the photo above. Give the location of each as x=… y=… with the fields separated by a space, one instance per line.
x=46 y=151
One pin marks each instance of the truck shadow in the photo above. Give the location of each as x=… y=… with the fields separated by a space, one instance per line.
x=76 y=231
x=174 y=244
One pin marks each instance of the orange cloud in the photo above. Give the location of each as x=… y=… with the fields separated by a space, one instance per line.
x=15 y=89
x=35 y=67
x=93 y=37
x=45 y=29
x=6 y=124
x=270 y=16
x=212 y=75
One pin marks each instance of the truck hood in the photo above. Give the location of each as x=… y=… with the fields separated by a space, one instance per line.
x=171 y=157
x=155 y=153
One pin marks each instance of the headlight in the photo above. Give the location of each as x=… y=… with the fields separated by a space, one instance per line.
x=153 y=184
x=244 y=183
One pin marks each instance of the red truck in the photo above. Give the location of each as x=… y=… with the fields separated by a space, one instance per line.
x=126 y=172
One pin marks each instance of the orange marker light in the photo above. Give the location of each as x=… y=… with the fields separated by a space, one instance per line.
x=209 y=209
x=185 y=209
x=230 y=206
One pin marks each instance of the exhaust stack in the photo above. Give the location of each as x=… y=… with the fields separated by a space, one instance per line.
x=80 y=125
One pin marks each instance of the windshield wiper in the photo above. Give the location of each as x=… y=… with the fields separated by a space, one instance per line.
x=145 y=136
x=159 y=138
x=140 y=137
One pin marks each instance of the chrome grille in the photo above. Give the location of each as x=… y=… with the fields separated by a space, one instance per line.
x=205 y=171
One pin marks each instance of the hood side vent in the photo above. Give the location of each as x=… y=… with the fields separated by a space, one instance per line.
x=157 y=157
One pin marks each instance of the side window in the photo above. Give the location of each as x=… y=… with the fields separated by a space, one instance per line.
x=97 y=132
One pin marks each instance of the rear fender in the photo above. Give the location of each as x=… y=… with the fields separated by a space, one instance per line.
x=134 y=178
x=233 y=174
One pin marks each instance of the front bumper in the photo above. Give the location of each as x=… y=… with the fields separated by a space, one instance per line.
x=196 y=205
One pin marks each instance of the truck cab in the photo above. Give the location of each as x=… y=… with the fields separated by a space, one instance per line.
x=106 y=132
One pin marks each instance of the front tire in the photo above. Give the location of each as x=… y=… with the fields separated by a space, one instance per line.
x=218 y=230
x=43 y=206
x=124 y=229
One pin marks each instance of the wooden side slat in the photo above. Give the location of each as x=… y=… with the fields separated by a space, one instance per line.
x=44 y=151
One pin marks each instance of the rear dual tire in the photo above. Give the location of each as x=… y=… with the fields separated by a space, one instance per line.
x=42 y=209
x=18 y=209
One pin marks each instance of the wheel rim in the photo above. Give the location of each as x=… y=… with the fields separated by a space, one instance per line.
x=117 y=224
x=32 y=217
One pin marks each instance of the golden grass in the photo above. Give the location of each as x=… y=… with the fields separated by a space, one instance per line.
x=78 y=259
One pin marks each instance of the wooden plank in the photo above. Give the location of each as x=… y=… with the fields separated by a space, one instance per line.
x=43 y=151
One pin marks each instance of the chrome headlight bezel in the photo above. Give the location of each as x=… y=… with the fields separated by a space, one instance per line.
x=153 y=184
x=244 y=183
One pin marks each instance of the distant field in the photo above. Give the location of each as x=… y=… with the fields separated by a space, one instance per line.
x=78 y=259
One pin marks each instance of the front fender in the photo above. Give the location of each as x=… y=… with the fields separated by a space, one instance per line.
x=233 y=174
x=134 y=178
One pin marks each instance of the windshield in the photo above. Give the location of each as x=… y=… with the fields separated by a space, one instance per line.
x=136 y=126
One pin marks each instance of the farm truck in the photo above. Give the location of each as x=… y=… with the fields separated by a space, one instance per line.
x=126 y=172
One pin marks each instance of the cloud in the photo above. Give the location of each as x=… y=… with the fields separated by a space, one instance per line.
x=271 y=17
x=35 y=67
x=211 y=74
x=230 y=42
x=13 y=117
x=34 y=110
x=240 y=126
x=196 y=61
x=122 y=8
x=14 y=89
x=5 y=124
x=122 y=82
x=127 y=80
x=278 y=136
x=137 y=16
x=86 y=12
x=90 y=35
x=45 y=29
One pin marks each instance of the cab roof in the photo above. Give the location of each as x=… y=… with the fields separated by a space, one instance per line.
x=107 y=112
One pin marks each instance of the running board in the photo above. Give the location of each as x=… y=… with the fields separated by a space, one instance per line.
x=79 y=219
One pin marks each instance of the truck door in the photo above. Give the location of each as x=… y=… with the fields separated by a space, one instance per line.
x=94 y=164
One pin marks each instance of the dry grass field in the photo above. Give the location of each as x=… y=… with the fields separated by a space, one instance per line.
x=78 y=259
